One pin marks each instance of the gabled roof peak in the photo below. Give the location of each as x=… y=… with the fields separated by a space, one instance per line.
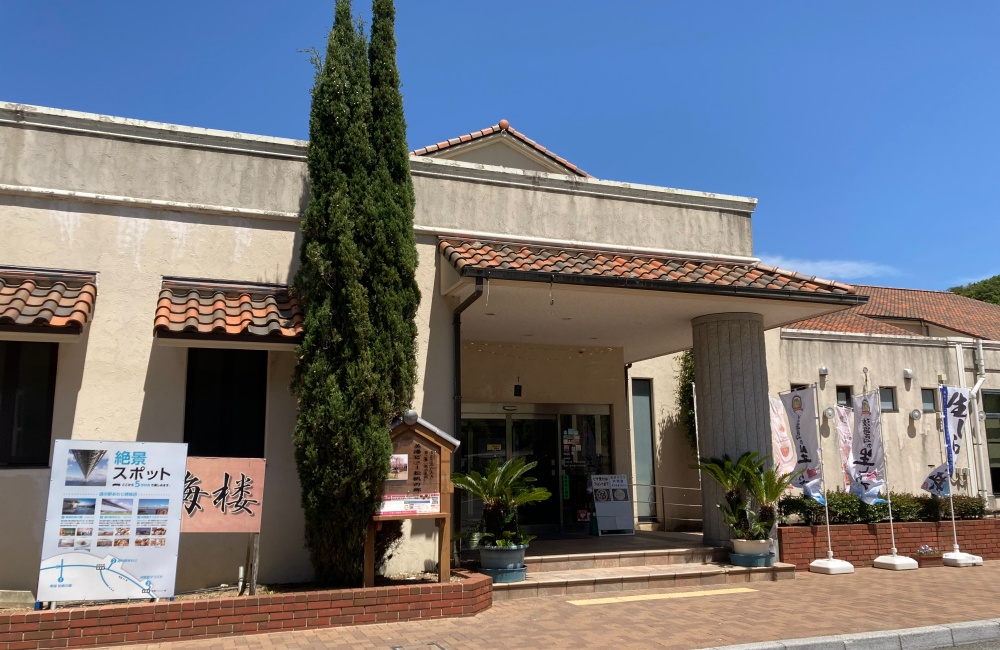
x=500 y=129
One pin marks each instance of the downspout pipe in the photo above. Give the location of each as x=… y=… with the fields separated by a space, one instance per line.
x=457 y=327
x=979 y=366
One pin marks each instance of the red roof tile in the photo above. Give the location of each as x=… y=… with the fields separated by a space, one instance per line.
x=203 y=307
x=469 y=254
x=942 y=308
x=42 y=298
x=501 y=128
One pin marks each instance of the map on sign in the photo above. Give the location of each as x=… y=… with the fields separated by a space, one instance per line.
x=103 y=578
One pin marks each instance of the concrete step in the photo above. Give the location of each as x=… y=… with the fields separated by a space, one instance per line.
x=628 y=578
x=665 y=556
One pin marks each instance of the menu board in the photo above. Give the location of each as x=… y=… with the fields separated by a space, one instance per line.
x=112 y=523
x=612 y=504
x=414 y=483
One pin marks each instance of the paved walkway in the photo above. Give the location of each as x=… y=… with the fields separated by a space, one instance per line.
x=681 y=618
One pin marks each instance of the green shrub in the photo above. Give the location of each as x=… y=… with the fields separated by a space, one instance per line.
x=846 y=508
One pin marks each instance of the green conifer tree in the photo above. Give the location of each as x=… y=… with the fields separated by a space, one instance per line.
x=389 y=241
x=341 y=441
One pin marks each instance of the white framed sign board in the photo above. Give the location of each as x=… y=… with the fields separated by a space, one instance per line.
x=113 y=520
x=612 y=504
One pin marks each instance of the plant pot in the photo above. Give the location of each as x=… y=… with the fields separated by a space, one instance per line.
x=502 y=557
x=752 y=546
x=506 y=575
x=927 y=560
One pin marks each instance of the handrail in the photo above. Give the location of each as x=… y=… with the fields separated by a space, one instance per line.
x=661 y=490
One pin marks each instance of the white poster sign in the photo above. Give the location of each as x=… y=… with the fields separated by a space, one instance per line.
x=867 y=466
x=113 y=520
x=844 y=437
x=612 y=503
x=956 y=416
x=782 y=449
x=800 y=405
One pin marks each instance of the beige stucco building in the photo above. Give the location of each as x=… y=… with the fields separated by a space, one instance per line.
x=143 y=296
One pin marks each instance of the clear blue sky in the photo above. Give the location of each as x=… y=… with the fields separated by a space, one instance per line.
x=869 y=131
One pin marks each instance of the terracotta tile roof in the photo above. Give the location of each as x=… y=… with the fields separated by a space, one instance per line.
x=205 y=307
x=942 y=308
x=42 y=298
x=467 y=256
x=503 y=127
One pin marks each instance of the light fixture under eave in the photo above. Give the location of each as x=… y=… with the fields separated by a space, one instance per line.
x=823 y=372
x=915 y=414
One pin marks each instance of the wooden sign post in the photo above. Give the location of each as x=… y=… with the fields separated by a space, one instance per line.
x=419 y=487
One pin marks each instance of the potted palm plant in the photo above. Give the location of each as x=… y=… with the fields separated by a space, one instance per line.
x=503 y=489
x=751 y=492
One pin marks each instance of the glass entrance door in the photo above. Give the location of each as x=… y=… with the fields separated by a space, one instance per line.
x=567 y=441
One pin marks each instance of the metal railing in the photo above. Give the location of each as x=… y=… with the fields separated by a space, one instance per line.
x=660 y=506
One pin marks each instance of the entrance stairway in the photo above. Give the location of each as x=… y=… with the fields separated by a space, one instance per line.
x=645 y=561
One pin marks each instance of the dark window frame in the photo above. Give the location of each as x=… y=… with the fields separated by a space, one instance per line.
x=798 y=386
x=8 y=392
x=850 y=395
x=895 y=399
x=934 y=400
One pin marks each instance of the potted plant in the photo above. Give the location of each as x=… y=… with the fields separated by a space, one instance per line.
x=503 y=489
x=929 y=556
x=751 y=492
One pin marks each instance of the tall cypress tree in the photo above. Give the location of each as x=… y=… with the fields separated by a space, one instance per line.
x=341 y=443
x=389 y=241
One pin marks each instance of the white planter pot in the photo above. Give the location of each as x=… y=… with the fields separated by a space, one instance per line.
x=751 y=546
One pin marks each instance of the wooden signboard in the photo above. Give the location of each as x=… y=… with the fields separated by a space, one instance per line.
x=418 y=487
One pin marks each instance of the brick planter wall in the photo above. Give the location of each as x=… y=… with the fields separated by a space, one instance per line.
x=215 y=617
x=860 y=544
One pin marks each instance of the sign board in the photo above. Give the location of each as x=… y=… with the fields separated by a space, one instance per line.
x=223 y=495
x=112 y=522
x=414 y=483
x=612 y=504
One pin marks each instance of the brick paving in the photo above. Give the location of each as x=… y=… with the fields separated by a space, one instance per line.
x=810 y=605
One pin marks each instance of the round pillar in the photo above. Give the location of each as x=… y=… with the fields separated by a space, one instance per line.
x=730 y=372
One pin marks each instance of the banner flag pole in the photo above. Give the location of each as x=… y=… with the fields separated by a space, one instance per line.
x=958 y=400
x=828 y=565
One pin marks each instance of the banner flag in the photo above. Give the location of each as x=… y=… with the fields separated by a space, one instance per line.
x=956 y=415
x=844 y=437
x=781 y=445
x=867 y=465
x=800 y=405
x=938 y=482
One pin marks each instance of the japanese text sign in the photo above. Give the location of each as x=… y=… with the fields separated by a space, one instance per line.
x=112 y=522
x=223 y=495
x=955 y=402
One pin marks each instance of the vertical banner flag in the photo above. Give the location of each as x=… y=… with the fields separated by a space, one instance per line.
x=956 y=415
x=800 y=405
x=781 y=445
x=938 y=482
x=867 y=468
x=844 y=436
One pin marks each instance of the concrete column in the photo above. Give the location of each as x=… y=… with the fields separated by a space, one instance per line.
x=730 y=373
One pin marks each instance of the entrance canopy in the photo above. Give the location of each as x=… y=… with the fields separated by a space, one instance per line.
x=541 y=295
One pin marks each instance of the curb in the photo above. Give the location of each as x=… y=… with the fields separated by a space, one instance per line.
x=918 y=638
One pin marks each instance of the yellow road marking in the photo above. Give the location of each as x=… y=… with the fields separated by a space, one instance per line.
x=683 y=594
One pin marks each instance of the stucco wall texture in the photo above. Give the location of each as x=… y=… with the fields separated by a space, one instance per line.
x=137 y=201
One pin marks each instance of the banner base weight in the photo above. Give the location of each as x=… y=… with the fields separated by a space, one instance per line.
x=831 y=567
x=894 y=562
x=962 y=559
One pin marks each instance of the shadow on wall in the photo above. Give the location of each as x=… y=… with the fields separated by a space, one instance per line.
x=680 y=508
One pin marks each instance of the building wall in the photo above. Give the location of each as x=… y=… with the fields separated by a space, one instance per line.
x=137 y=201
x=913 y=448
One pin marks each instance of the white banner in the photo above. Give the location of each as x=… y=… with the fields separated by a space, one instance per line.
x=956 y=416
x=844 y=437
x=782 y=449
x=867 y=465
x=113 y=520
x=800 y=405
x=938 y=482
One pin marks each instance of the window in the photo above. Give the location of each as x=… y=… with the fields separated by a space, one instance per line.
x=887 y=396
x=844 y=395
x=799 y=386
x=226 y=402
x=642 y=439
x=928 y=399
x=27 y=390
x=991 y=404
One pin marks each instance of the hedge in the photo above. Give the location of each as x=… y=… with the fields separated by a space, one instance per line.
x=847 y=508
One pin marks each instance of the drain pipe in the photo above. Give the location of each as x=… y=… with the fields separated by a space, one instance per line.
x=979 y=367
x=457 y=326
